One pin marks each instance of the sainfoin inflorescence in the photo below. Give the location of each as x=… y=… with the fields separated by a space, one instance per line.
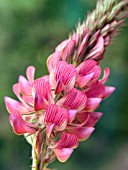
x=57 y=111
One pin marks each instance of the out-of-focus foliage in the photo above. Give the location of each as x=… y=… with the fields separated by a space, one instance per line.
x=29 y=32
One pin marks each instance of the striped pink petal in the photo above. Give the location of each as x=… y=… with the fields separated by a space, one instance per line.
x=30 y=72
x=41 y=94
x=96 y=90
x=73 y=100
x=87 y=72
x=64 y=147
x=64 y=73
x=85 y=67
x=46 y=77
x=20 y=126
x=54 y=117
x=97 y=71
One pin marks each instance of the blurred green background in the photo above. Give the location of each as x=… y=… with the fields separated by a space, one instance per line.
x=29 y=32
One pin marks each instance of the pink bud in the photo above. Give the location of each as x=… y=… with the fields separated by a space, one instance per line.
x=68 y=50
x=97 y=50
x=83 y=46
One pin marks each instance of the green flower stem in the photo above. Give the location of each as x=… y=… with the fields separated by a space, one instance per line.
x=35 y=162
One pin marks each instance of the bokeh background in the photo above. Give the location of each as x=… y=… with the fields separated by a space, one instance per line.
x=29 y=32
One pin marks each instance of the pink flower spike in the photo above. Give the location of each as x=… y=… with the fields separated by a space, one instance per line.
x=53 y=59
x=24 y=85
x=82 y=133
x=54 y=117
x=64 y=147
x=68 y=50
x=13 y=105
x=30 y=72
x=65 y=74
x=83 y=46
x=20 y=126
x=42 y=94
x=108 y=91
x=98 y=49
x=92 y=104
x=106 y=75
x=73 y=100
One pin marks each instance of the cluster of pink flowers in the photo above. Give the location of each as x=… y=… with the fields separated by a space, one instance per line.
x=61 y=104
